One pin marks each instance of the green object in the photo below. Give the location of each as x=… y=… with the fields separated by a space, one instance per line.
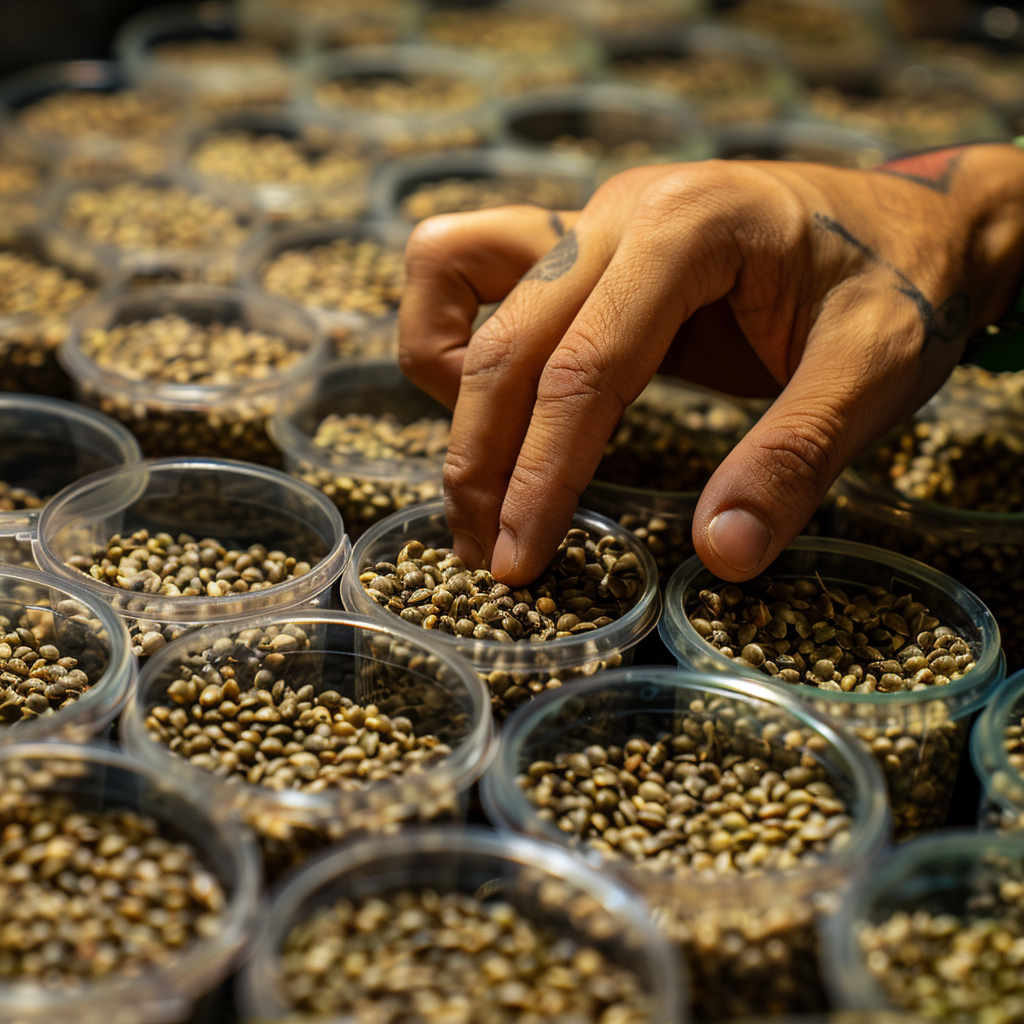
x=1000 y=346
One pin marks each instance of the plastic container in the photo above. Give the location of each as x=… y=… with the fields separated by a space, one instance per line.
x=333 y=180
x=405 y=128
x=802 y=140
x=390 y=666
x=616 y=126
x=99 y=779
x=359 y=322
x=515 y=672
x=80 y=147
x=983 y=550
x=45 y=445
x=1002 y=782
x=236 y=503
x=828 y=42
x=30 y=337
x=562 y=180
x=226 y=69
x=663 y=519
x=748 y=940
x=365 y=490
x=934 y=875
x=210 y=261
x=916 y=735
x=23 y=179
x=543 y=883
x=226 y=420
x=729 y=76
x=83 y=628
x=532 y=45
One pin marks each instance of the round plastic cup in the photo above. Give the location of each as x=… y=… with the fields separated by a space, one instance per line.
x=663 y=520
x=983 y=550
x=29 y=340
x=237 y=503
x=210 y=264
x=210 y=80
x=391 y=666
x=78 y=152
x=748 y=940
x=359 y=325
x=939 y=874
x=1002 y=784
x=532 y=45
x=543 y=883
x=212 y=420
x=283 y=201
x=569 y=178
x=84 y=628
x=802 y=140
x=99 y=779
x=365 y=490
x=729 y=76
x=45 y=445
x=514 y=672
x=400 y=132
x=615 y=126
x=827 y=42
x=917 y=735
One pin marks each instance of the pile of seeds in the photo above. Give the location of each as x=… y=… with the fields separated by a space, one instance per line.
x=421 y=956
x=255 y=157
x=589 y=584
x=462 y=195
x=350 y=275
x=132 y=215
x=175 y=350
x=275 y=733
x=383 y=437
x=14 y=499
x=399 y=93
x=798 y=21
x=700 y=77
x=805 y=632
x=18 y=176
x=204 y=53
x=501 y=31
x=29 y=286
x=185 y=567
x=76 y=114
x=96 y=894
x=955 y=967
x=597 y=146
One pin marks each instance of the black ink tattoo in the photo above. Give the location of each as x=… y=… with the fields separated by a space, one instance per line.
x=556 y=224
x=946 y=323
x=556 y=262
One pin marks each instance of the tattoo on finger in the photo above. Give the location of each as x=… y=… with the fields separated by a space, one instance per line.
x=557 y=261
x=557 y=224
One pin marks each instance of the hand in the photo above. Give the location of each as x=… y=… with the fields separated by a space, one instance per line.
x=851 y=291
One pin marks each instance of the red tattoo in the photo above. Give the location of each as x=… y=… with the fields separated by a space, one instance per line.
x=934 y=170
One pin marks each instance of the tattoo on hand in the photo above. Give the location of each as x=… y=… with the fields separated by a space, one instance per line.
x=557 y=261
x=557 y=225
x=934 y=170
x=946 y=323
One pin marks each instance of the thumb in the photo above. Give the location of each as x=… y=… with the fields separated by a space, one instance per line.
x=851 y=385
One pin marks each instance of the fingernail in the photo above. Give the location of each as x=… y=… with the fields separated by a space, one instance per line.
x=739 y=538
x=503 y=561
x=467 y=548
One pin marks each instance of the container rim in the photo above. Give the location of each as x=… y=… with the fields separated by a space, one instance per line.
x=847 y=980
x=507 y=807
x=205 y=955
x=82 y=368
x=670 y=975
x=100 y=704
x=564 y=652
x=988 y=750
x=797 y=131
x=198 y=608
x=678 y=634
x=458 y=770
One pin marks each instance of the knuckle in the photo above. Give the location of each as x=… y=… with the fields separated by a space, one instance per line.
x=578 y=369
x=796 y=456
x=487 y=355
x=459 y=470
x=429 y=241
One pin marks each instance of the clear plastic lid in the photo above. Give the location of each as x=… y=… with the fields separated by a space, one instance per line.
x=1001 y=781
x=427 y=524
x=545 y=884
x=566 y=178
x=802 y=140
x=138 y=137
x=646 y=701
x=99 y=779
x=857 y=567
x=617 y=126
x=234 y=502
